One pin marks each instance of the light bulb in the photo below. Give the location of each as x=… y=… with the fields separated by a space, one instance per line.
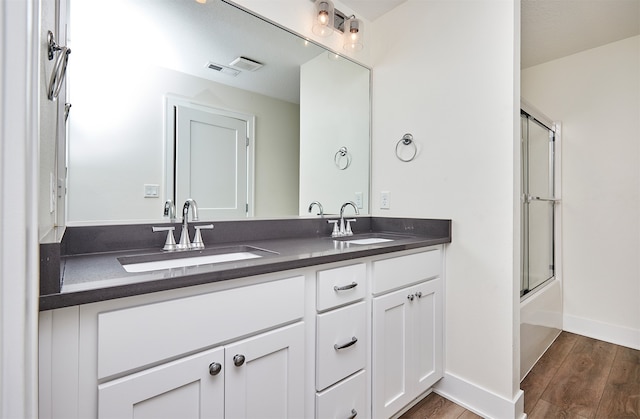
x=323 y=18
x=323 y=24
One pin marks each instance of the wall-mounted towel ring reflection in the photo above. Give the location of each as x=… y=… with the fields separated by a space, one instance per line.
x=59 y=68
x=409 y=149
x=342 y=159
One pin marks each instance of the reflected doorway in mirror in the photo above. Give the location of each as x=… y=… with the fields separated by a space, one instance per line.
x=209 y=158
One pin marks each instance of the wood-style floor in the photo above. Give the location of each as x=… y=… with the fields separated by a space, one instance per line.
x=577 y=378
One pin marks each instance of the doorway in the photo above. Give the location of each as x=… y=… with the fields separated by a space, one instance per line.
x=210 y=160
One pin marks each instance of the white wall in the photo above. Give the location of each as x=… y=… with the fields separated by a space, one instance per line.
x=450 y=79
x=596 y=95
x=19 y=118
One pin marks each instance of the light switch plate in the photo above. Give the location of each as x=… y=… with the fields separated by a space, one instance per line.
x=151 y=191
x=385 y=200
x=358 y=200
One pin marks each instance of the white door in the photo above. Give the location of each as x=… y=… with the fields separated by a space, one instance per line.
x=211 y=163
x=185 y=388
x=391 y=342
x=264 y=375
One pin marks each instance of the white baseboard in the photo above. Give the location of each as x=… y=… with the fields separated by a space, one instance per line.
x=480 y=400
x=619 y=335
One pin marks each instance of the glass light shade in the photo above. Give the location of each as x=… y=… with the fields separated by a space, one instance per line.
x=353 y=35
x=323 y=19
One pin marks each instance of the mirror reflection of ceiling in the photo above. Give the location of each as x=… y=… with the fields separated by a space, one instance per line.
x=195 y=27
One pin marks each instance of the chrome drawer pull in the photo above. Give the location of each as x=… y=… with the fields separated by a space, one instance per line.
x=346 y=345
x=346 y=287
x=354 y=413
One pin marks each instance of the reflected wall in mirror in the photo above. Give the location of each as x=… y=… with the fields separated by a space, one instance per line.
x=133 y=60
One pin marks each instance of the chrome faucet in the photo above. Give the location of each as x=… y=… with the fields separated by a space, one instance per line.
x=185 y=242
x=346 y=231
x=321 y=213
x=169 y=209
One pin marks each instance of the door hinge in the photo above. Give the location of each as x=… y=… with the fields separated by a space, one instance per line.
x=246 y=208
x=247 y=141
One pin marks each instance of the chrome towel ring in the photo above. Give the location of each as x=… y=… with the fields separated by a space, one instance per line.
x=407 y=142
x=59 y=68
x=342 y=159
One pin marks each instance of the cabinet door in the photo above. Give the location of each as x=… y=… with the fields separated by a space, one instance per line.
x=426 y=331
x=407 y=345
x=185 y=388
x=264 y=375
x=391 y=342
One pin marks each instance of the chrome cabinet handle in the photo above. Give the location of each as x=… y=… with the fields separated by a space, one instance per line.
x=215 y=368
x=419 y=294
x=354 y=413
x=238 y=360
x=345 y=287
x=410 y=297
x=346 y=345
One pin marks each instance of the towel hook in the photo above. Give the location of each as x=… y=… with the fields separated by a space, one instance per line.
x=59 y=68
x=407 y=141
x=342 y=159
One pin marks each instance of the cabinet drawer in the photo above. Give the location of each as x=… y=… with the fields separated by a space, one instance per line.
x=138 y=336
x=344 y=399
x=340 y=286
x=338 y=354
x=394 y=273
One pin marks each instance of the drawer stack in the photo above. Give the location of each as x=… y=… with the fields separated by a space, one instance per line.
x=341 y=341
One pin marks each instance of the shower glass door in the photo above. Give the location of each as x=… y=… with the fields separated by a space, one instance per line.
x=538 y=203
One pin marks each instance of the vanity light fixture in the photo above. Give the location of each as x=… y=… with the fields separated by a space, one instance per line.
x=353 y=34
x=324 y=17
x=328 y=19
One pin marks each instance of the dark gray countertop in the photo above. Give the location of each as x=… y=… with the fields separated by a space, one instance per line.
x=97 y=275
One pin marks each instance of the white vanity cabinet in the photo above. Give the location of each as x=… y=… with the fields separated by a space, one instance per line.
x=361 y=338
x=407 y=341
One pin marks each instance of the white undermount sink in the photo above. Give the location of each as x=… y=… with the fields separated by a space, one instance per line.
x=372 y=240
x=155 y=262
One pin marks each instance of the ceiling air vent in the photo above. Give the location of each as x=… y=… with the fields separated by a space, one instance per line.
x=222 y=69
x=244 y=63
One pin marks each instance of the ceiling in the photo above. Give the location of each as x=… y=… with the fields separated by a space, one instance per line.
x=372 y=9
x=551 y=29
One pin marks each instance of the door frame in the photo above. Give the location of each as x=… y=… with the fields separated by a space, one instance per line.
x=169 y=135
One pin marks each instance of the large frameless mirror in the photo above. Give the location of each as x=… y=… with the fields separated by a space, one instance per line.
x=174 y=99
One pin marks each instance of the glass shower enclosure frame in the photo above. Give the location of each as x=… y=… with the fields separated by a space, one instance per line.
x=538 y=203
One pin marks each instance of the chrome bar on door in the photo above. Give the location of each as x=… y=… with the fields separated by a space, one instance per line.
x=529 y=198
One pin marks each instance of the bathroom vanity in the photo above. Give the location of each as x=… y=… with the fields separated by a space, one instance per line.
x=312 y=327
